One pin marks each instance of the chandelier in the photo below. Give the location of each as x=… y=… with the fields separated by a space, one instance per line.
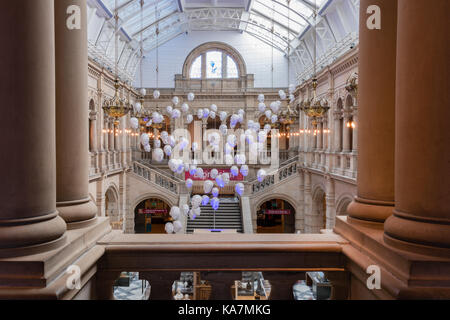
x=315 y=108
x=143 y=115
x=116 y=107
x=288 y=116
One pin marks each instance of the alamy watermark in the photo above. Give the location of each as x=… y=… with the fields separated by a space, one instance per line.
x=374 y=280
x=73 y=282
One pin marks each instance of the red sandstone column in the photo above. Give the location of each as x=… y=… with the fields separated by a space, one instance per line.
x=72 y=157
x=28 y=215
x=422 y=175
x=376 y=94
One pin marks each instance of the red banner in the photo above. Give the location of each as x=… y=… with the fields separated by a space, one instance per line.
x=153 y=211
x=207 y=175
x=277 y=212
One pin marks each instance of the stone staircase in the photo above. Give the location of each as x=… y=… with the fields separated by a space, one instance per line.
x=227 y=217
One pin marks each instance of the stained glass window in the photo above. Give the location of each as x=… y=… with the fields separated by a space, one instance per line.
x=214 y=64
x=196 y=68
x=232 y=69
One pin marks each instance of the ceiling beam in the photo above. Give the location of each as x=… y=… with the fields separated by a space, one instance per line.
x=151 y=13
x=289 y=30
x=154 y=23
x=123 y=6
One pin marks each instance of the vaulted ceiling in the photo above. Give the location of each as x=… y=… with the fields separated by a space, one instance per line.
x=144 y=25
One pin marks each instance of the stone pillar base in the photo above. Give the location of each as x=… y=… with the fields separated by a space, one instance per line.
x=24 y=237
x=44 y=275
x=403 y=275
x=78 y=214
x=368 y=210
x=418 y=236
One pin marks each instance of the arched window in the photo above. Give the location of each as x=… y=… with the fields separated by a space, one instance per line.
x=214 y=65
x=196 y=68
x=232 y=68
x=214 y=60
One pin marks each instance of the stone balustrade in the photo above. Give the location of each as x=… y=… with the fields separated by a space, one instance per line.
x=286 y=170
x=157 y=177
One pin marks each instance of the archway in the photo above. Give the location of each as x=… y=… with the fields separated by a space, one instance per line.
x=341 y=209
x=319 y=207
x=112 y=208
x=276 y=216
x=151 y=215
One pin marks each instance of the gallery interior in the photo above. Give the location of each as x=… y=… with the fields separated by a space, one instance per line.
x=225 y=150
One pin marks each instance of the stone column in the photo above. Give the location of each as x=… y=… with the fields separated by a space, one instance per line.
x=319 y=137
x=330 y=203
x=337 y=132
x=105 y=134
x=421 y=220
x=307 y=201
x=110 y=134
x=93 y=138
x=28 y=215
x=93 y=121
x=376 y=128
x=300 y=212
x=116 y=132
x=355 y=131
x=105 y=143
x=346 y=147
x=72 y=156
x=324 y=135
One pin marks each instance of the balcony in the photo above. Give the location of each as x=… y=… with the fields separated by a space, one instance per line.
x=221 y=259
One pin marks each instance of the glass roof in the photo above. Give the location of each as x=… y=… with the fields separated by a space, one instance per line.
x=276 y=22
x=282 y=24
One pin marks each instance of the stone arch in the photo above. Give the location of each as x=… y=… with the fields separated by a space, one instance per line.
x=112 y=203
x=151 y=223
x=280 y=196
x=342 y=204
x=92 y=106
x=146 y=196
x=289 y=221
x=318 y=210
x=232 y=52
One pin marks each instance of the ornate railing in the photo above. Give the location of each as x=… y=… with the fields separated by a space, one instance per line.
x=286 y=170
x=153 y=176
x=260 y=186
x=161 y=172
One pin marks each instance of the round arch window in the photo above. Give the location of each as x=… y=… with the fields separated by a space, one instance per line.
x=214 y=64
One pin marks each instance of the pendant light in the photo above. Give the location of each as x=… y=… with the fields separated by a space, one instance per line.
x=116 y=107
x=315 y=108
